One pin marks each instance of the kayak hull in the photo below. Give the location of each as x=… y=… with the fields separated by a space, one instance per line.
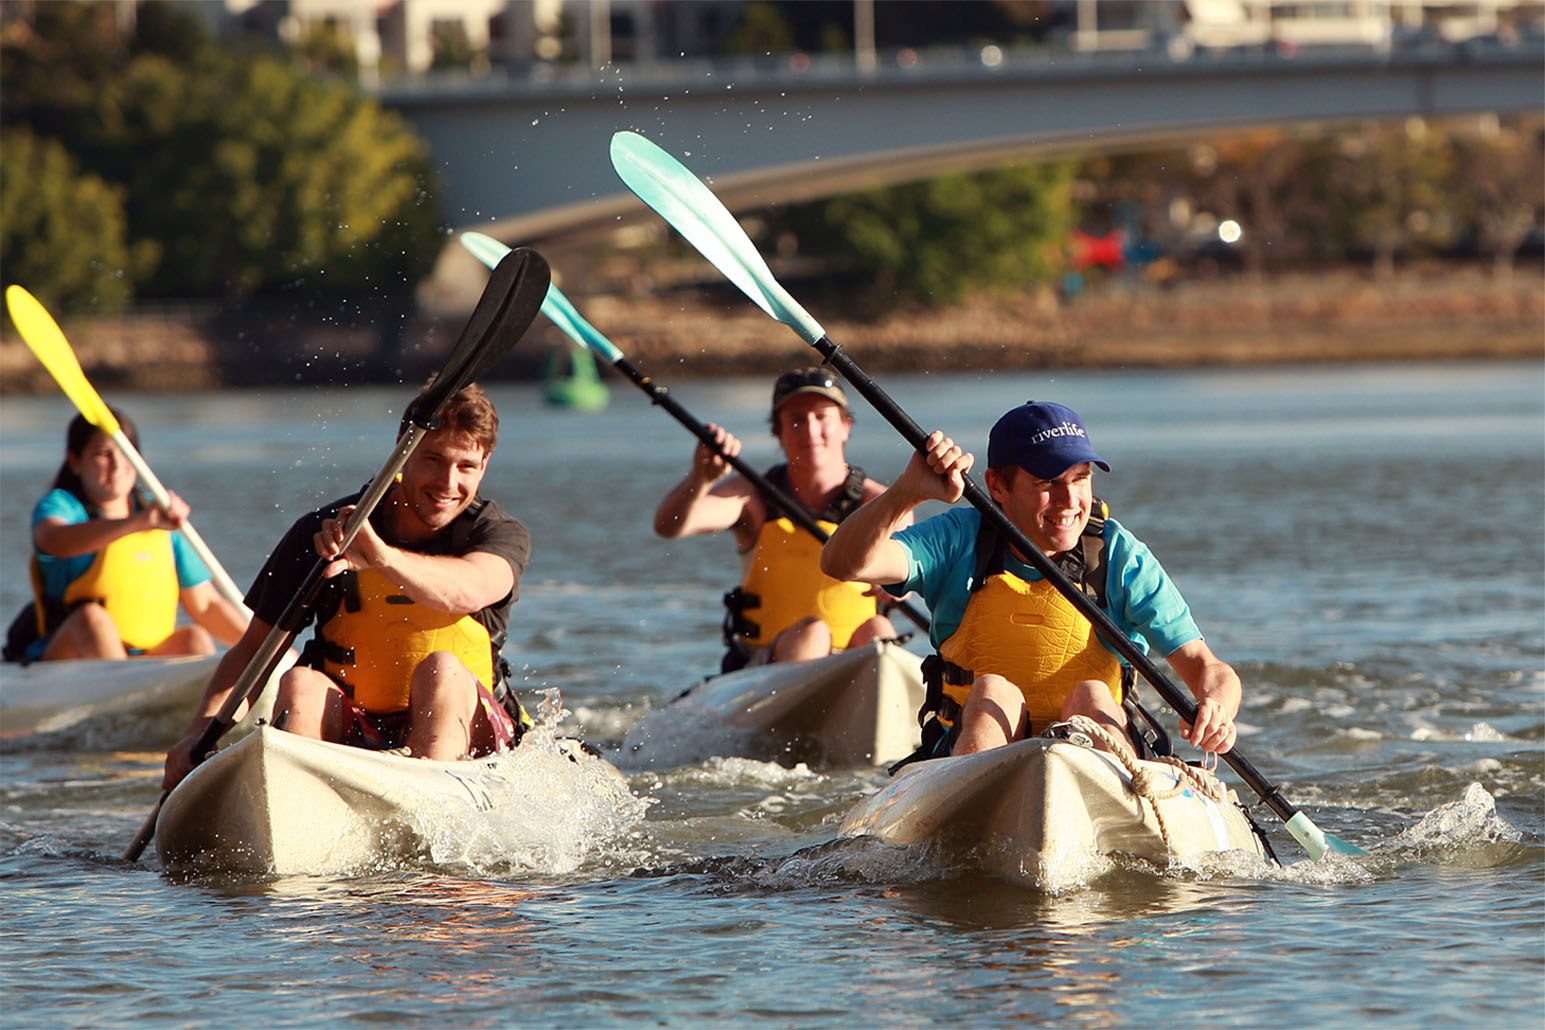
x=853 y=708
x=46 y=697
x=276 y=803
x=1048 y=814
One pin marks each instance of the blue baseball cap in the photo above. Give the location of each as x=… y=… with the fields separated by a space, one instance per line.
x=1043 y=439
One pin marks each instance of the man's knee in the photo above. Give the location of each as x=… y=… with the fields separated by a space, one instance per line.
x=810 y=629
x=998 y=698
x=1091 y=697
x=993 y=715
x=877 y=627
x=807 y=638
x=194 y=640
x=300 y=684
x=442 y=678
x=990 y=687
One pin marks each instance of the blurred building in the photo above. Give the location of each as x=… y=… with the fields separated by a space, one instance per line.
x=387 y=39
x=414 y=36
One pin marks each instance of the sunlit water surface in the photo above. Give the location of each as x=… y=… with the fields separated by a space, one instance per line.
x=1364 y=543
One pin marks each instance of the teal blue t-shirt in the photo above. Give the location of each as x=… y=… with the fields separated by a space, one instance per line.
x=1140 y=598
x=59 y=573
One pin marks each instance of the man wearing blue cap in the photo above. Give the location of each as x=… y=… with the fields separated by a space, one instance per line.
x=1013 y=655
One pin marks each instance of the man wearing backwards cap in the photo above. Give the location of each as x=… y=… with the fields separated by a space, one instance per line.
x=785 y=609
x=1014 y=656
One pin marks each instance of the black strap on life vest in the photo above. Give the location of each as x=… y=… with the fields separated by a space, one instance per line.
x=847 y=501
x=737 y=624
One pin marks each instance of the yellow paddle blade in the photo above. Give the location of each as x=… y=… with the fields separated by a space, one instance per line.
x=47 y=341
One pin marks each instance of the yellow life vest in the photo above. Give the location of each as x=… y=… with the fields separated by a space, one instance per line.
x=135 y=579
x=784 y=583
x=1032 y=636
x=379 y=635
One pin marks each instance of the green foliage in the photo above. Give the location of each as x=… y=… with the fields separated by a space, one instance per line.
x=325 y=48
x=450 y=47
x=52 y=70
x=238 y=174
x=61 y=232
x=935 y=241
x=1389 y=187
x=1502 y=167
x=300 y=179
x=168 y=28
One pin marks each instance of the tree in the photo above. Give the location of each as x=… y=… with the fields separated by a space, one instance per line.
x=61 y=231
x=935 y=241
x=1387 y=183
x=325 y=48
x=264 y=178
x=1500 y=167
x=451 y=49
x=239 y=174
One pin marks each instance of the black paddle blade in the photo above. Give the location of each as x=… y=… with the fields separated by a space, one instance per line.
x=509 y=304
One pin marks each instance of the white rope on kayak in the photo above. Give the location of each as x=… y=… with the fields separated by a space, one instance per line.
x=1146 y=781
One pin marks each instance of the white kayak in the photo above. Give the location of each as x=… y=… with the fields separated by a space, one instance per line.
x=856 y=707
x=45 y=697
x=1050 y=814
x=277 y=803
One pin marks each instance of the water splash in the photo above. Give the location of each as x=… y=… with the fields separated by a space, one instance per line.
x=680 y=734
x=551 y=806
x=1467 y=832
x=548 y=806
x=1480 y=732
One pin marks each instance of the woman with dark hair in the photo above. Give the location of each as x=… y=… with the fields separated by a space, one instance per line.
x=109 y=572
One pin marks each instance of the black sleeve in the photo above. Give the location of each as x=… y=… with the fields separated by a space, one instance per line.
x=496 y=532
x=288 y=565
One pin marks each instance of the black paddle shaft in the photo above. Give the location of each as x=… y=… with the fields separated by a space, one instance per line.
x=778 y=498
x=1107 y=629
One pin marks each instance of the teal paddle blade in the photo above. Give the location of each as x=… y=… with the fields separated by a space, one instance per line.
x=1316 y=841
x=555 y=305
x=558 y=308
x=682 y=199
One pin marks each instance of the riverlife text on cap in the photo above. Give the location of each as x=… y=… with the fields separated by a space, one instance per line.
x=1043 y=439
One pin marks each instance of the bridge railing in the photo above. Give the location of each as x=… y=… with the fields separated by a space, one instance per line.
x=1209 y=30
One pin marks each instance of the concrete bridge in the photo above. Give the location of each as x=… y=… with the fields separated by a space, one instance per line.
x=528 y=160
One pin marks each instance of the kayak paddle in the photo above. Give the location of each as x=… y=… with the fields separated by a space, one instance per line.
x=663 y=183
x=48 y=342
x=508 y=306
x=558 y=308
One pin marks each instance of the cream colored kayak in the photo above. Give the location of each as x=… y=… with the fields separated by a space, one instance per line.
x=856 y=707
x=278 y=803
x=1049 y=813
x=45 y=697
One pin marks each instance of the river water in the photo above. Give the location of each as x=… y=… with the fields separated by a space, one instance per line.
x=1364 y=543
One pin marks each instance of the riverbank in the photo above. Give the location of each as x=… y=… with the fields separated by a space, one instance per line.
x=1428 y=312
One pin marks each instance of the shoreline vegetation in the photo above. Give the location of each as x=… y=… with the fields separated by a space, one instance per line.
x=1437 y=311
